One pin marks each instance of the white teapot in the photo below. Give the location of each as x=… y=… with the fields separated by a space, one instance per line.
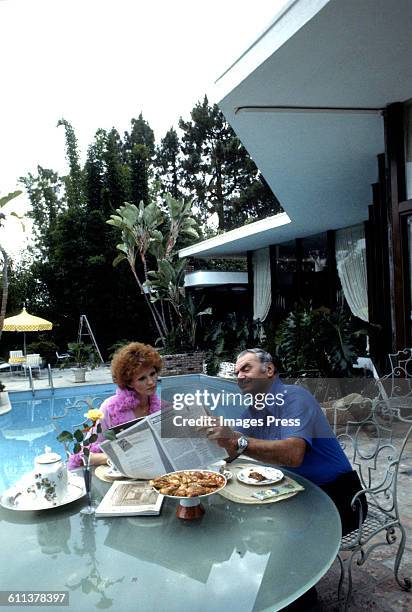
x=50 y=477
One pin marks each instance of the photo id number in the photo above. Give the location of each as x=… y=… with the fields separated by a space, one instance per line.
x=34 y=598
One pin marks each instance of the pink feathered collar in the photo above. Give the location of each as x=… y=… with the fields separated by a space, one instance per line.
x=125 y=401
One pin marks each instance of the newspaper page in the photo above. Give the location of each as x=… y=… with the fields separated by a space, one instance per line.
x=130 y=498
x=135 y=453
x=192 y=450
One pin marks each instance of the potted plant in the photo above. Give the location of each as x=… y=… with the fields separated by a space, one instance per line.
x=84 y=356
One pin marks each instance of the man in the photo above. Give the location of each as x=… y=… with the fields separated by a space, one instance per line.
x=298 y=437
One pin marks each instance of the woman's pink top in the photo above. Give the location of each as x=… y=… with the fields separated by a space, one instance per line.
x=117 y=409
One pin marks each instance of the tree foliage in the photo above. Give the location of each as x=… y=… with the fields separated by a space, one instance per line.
x=169 y=163
x=319 y=340
x=219 y=174
x=126 y=178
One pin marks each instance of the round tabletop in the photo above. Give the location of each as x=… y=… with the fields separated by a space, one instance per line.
x=237 y=557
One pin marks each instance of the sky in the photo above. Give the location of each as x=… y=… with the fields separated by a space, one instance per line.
x=98 y=63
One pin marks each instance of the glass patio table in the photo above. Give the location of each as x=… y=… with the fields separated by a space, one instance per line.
x=237 y=557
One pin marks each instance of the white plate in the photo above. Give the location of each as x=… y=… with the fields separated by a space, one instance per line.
x=112 y=472
x=271 y=475
x=17 y=498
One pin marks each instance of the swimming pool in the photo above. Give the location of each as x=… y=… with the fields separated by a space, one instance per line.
x=28 y=427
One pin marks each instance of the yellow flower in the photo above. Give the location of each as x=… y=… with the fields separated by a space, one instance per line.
x=94 y=414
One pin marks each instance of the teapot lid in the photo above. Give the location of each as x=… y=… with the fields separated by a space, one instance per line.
x=48 y=456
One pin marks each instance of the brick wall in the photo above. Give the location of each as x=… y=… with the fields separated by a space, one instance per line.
x=183 y=363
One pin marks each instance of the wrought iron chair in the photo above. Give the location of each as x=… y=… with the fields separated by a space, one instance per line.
x=395 y=388
x=375 y=446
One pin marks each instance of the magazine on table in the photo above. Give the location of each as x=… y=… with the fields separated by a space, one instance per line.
x=141 y=452
x=130 y=498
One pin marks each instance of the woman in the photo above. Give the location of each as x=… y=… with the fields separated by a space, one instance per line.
x=135 y=369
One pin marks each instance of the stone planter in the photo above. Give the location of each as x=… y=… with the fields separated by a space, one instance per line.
x=79 y=375
x=182 y=363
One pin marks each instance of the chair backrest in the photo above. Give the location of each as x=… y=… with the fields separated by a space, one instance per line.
x=33 y=360
x=398 y=382
x=16 y=357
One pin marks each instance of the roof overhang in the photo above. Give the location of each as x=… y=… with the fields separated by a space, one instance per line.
x=237 y=242
x=306 y=100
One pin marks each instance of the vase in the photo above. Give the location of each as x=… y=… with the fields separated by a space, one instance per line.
x=87 y=475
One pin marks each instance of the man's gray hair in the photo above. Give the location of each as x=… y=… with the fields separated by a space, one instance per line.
x=264 y=357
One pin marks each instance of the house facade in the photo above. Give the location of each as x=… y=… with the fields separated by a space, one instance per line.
x=322 y=102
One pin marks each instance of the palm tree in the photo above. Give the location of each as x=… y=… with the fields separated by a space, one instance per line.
x=144 y=230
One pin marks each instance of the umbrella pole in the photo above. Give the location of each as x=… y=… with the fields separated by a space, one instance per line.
x=24 y=343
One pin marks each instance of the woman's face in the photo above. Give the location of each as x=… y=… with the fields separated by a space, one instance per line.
x=144 y=381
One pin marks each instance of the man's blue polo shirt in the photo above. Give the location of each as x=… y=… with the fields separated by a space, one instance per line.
x=324 y=458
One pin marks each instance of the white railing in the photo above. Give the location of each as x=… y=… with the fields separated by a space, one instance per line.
x=50 y=377
x=30 y=379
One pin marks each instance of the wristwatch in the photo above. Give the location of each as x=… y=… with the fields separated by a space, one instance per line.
x=242 y=444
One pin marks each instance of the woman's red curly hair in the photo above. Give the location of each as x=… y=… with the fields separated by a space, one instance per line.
x=130 y=359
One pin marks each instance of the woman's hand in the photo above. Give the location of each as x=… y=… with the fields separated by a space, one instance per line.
x=98 y=459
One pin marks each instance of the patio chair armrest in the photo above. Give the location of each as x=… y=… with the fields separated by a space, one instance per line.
x=378 y=489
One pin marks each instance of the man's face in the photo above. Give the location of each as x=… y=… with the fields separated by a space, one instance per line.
x=251 y=377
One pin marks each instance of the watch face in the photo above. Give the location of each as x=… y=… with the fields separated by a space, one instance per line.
x=242 y=443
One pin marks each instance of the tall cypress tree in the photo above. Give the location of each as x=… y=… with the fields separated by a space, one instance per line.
x=168 y=163
x=116 y=174
x=94 y=171
x=74 y=180
x=140 y=134
x=139 y=178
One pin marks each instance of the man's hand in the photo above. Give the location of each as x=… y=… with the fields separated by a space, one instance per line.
x=224 y=436
x=287 y=453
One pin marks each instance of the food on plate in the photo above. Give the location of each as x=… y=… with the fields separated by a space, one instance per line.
x=257 y=476
x=188 y=483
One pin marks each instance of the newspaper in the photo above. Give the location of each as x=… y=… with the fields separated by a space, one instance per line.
x=141 y=451
x=129 y=498
x=135 y=452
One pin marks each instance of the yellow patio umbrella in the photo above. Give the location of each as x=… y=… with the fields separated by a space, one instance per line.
x=25 y=322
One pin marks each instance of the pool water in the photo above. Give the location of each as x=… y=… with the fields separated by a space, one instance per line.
x=28 y=427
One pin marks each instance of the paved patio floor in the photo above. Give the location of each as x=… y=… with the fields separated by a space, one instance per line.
x=62 y=377
x=374 y=585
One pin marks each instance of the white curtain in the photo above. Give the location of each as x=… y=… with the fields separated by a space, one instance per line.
x=351 y=263
x=262 y=294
